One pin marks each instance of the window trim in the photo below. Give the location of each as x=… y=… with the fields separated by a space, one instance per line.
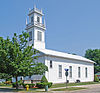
x=86 y=72
x=60 y=71
x=38 y=19
x=39 y=35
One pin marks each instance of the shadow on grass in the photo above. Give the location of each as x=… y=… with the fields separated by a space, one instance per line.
x=10 y=90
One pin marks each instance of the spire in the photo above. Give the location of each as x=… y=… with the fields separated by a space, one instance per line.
x=26 y=21
x=34 y=6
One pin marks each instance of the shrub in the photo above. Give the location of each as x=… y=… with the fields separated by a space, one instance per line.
x=42 y=85
x=50 y=84
x=14 y=84
x=96 y=79
x=77 y=81
x=8 y=82
x=20 y=82
x=44 y=79
x=30 y=85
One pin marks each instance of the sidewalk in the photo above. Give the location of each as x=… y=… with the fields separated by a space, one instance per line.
x=85 y=86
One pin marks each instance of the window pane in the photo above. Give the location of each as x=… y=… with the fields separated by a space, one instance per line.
x=79 y=73
x=50 y=64
x=30 y=34
x=39 y=36
x=60 y=70
x=70 y=71
x=32 y=19
x=86 y=75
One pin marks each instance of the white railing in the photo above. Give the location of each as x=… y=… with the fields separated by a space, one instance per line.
x=36 y=24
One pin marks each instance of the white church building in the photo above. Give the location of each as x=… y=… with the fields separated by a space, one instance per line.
x=79 y=67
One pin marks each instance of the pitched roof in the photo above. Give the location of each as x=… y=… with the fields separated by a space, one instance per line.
x=64 y=55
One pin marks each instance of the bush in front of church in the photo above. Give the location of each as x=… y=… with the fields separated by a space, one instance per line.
x=42 y=85
x=96 y=79
x=44 y=82
x=44 y=79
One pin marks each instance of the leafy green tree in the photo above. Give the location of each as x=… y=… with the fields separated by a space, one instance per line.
x=5 y=76
x=16 y=57
x=94 y=55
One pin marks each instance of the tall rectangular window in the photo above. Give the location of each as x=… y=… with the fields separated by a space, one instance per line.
x=38 y=19
x=70 y=71
x=39 y=36
x=30 y=36
x=50 y=63
x=60 y=71
x=31 y=19
x=79 y=72
x=86 y=72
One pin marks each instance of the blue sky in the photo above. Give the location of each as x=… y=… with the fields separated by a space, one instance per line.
x=73 y=26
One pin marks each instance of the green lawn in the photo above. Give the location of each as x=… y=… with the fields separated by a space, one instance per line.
x=73 y=84
x=4 y=85
x=69 y=89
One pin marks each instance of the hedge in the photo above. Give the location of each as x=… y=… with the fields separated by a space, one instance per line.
x=42 y=85
x=96 y=79
x=30 y=85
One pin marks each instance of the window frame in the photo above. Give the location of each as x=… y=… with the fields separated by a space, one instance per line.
x=30 y=36
x=38 y=19
x=39 y=36
x=60 y=71
x=86 y=72
x=79 y=72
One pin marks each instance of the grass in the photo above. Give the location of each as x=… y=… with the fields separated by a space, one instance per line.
x=69 y=89
x=73 y=84
x=4 y=85
x=19 y=90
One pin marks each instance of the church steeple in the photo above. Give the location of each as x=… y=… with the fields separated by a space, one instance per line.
x=36 y=28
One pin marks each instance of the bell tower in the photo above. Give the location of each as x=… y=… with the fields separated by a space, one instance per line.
x=36 y=28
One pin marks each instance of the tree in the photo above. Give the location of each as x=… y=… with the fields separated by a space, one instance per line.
x=16 y=57
x=94 y=55
x=5 y=76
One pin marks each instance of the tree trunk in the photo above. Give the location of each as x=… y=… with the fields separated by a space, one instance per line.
x=16 y=83
x=6 y=81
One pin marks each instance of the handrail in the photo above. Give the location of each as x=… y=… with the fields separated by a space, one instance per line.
x=36 y=24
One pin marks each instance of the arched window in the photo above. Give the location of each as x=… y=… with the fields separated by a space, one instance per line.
x=38 y=19
x=50 y=63
x=86 y=72
x=31 y=19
